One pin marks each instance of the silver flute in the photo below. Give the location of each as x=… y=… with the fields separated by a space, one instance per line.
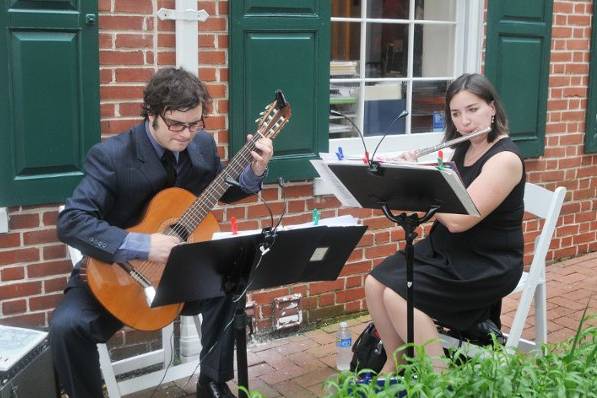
x=431 y=149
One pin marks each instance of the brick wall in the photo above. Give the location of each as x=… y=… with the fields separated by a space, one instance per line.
x=133 y=43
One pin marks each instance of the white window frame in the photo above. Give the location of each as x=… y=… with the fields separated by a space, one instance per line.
x=469 y=38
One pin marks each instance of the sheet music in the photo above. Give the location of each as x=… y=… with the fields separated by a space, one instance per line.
x=339 y=190
x=340 y=221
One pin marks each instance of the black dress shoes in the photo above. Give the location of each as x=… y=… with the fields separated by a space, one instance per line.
x=211 y=389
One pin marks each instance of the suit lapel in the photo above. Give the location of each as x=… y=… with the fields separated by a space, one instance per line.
x=148 y=162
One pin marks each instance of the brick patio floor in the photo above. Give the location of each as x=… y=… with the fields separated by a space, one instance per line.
x=297 y=366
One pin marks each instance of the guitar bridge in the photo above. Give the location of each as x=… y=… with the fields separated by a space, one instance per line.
x=148 y=288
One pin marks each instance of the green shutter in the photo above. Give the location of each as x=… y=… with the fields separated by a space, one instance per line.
x=49 y=101
x=285 y=45
x=591 y=125
x=517 y=62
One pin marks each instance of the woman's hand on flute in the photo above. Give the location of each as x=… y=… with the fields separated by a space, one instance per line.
x=407 y=156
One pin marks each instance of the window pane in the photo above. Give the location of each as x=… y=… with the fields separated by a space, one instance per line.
x=383 y=103
x=388 y=9
x=387 y=50
x=434 y=50
x=435 y=10
x=428 y=106
x=344 y=98
x=346 y=8
x=345 y=47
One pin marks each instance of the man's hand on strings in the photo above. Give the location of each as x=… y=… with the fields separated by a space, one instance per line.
x=262 y=154
x=160 y=247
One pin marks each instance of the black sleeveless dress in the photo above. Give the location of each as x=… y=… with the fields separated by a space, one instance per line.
x=460 y=278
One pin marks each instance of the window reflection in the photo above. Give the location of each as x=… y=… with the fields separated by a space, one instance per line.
x=388 y=9
x=383 y=103
x=428 y=106
x=387 y=50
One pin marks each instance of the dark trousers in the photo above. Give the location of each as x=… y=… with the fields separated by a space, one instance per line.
x=80 y=322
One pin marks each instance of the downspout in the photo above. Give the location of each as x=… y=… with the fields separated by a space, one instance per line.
x=187 y=19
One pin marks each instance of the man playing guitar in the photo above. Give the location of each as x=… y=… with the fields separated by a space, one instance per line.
x=122 y=174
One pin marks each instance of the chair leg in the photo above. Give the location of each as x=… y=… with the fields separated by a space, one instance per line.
x=108 y=371
x=520 y=317
x=167 y=343
x=540 y=314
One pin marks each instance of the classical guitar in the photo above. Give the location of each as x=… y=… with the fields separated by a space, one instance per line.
x=126 y=290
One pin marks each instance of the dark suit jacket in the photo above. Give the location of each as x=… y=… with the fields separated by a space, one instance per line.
x=121 y=175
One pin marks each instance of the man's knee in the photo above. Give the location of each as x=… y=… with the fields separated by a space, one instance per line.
x=62 y=326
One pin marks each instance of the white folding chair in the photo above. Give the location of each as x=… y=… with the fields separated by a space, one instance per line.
x=544 y=204
x=110 y=370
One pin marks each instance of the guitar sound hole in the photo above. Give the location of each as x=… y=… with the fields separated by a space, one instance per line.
x=180 y=230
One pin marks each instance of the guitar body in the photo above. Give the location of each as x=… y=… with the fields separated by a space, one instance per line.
x=123 y=296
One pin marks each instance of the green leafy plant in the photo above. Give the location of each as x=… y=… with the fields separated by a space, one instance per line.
x=567 y=369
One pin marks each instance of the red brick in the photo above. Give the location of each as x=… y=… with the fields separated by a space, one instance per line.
x=380 y=251
x=22 y=221
x=215 y=57
x=325 y=287
x=267 y=297
x=119 y=92
x=14 y=307
x=104 y=5
x=133 y=6
x=120 y=22
x=28 y=320
x=326 y=299
x=166 y=40
x=360 y=267
x=134 y=41
x=107 y=110
x=207 y=41
x=54 y=285
x=110 y=127
x=12 y=274
x=40 y=236
x=10 y=240
x=166 y=58
x=109 y=57
x=130 y=109
x=45 y=302
x=207 y=74
x=54 y=251
x=19 y=256
x=214 y=24
x=22 y=289
x=49 y=268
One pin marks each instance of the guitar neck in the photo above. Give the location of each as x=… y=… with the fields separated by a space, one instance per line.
x=270 y=124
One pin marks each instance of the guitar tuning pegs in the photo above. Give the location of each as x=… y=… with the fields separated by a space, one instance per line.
x=261 y=113
x=257 y=120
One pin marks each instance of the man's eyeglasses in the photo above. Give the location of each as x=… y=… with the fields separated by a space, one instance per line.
x=178 y=127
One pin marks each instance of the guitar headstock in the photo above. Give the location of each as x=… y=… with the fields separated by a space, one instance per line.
x=274 y=117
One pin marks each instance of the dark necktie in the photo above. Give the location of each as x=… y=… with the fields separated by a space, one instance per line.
x=169 y=163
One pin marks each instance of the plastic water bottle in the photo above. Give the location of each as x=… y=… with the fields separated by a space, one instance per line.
x=343 y=347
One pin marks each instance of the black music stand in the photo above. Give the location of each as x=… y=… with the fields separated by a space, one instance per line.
x=239 y=263
x=406 y=187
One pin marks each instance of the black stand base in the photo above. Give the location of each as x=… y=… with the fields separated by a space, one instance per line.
x=409 y=223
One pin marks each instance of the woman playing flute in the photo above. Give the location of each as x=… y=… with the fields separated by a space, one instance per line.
x=467 y=264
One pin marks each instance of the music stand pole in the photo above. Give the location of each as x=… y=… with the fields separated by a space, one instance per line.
x=409 y=223
x=240 y=338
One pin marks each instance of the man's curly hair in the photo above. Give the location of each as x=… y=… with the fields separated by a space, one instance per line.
x=172 y=89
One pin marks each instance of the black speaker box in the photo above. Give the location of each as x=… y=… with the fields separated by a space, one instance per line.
x=31 y=377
